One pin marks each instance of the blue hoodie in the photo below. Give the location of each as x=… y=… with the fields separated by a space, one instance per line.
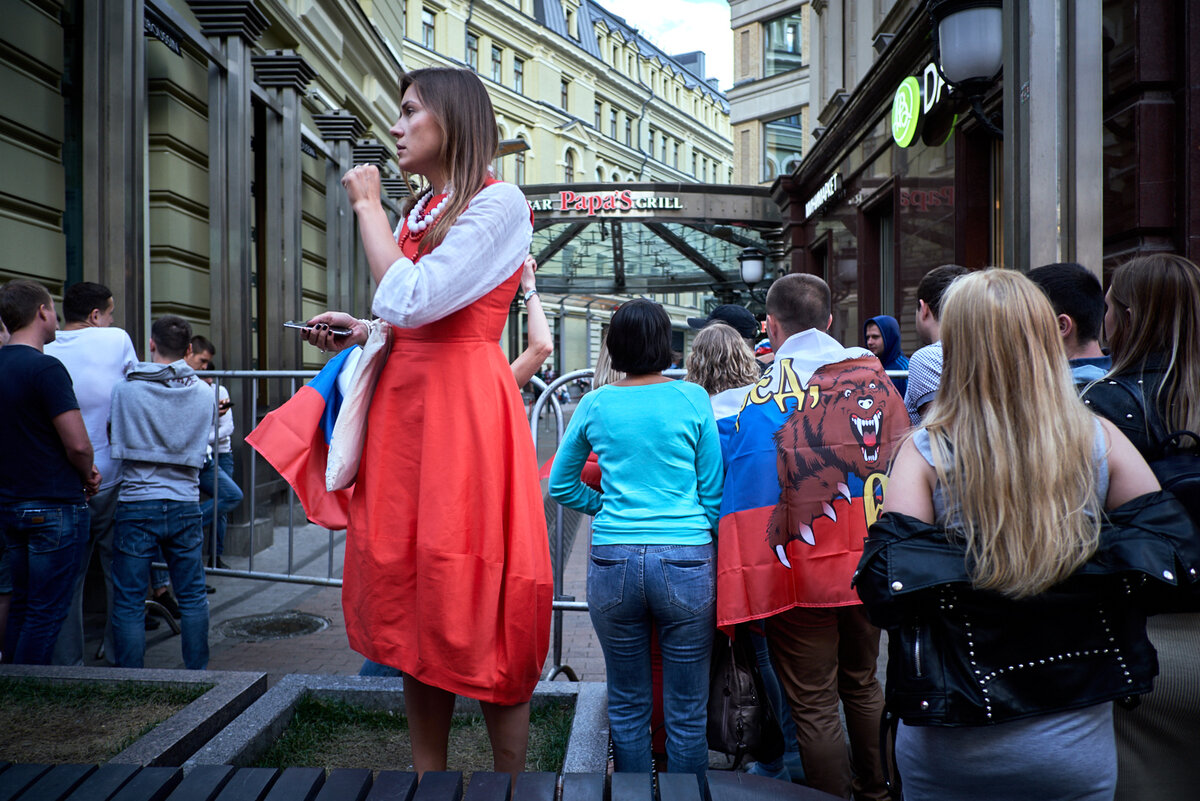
x=893 y=358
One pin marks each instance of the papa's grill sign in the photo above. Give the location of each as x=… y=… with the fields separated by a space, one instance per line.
x=621 y=201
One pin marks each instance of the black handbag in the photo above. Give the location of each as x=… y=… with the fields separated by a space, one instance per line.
x=740 y=718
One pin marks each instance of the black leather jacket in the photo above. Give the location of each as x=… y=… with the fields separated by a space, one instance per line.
x=958 y=656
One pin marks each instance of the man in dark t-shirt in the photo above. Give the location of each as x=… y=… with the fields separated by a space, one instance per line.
x=46 y=475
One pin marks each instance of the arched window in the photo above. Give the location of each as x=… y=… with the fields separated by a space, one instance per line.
x=600 y=174
x=520 y=165
x=569 y=168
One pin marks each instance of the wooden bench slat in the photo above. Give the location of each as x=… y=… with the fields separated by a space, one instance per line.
x=203 y=783
x=535 y=787
x=346 y=784
x=583 y=787
x=150 y=784
x=248 y=784
x=19 y=778
x=58 y=783
x=632 y=787
x=439 y=786
x=679 y=787
x=393 y=785
x=487 y=786
x=297 y=784
x=104 y=783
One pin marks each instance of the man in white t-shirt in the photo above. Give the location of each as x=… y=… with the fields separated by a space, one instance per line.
x=97 y=357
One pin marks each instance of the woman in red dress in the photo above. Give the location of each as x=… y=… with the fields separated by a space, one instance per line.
x=447 y=572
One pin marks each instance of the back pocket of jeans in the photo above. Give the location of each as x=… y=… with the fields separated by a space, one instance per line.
x=691 y=583
x=605 y=582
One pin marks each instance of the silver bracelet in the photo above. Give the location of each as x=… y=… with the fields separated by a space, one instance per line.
x=530 y=294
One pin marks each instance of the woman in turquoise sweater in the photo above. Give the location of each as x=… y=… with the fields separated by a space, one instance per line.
x=652 y=566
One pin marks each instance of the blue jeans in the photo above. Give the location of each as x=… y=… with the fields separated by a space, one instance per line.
x=69 y=648
x=229 y=495
x=142 y=528
x=44 y=540
x=631 y=588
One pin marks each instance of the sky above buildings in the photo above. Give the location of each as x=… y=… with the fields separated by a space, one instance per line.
x=680 y=26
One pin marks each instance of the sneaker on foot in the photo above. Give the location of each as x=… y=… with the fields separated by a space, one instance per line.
x=769 y=772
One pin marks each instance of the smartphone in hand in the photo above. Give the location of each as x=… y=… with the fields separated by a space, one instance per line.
x=337 y=332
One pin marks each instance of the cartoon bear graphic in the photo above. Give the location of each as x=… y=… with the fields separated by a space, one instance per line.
x=849 y=428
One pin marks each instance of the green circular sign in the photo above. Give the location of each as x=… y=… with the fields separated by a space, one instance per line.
x=906 y=111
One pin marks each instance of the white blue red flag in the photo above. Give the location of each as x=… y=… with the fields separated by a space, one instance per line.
x=295 y=440
x=806 y=453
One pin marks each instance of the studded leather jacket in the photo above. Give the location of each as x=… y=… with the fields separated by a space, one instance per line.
x=958 y=656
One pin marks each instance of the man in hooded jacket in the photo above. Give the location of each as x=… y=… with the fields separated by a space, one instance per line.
x=882 y=336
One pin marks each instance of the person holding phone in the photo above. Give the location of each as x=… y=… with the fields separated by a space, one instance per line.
x=447 y=577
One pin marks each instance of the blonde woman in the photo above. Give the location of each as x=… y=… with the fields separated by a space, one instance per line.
x=1008 y=565
x=720 y=359
x=1153 y=328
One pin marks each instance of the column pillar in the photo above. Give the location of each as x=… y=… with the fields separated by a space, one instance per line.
x=1052 y=133
x=340 y=129
x=113 y=76
x=285 y=75
x=233 y=27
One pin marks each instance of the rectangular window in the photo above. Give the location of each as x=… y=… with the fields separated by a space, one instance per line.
x=677 y=155
x=598 y=115
x=497 y=64
x=427 y=29
x=663 y=153
x=694 y=173
x=520 y=176
x=564 y=94
x=629 y=131
x=612 y=122
x=781 y=45
x=783 y=146
x=519 y=75
x=473 y=52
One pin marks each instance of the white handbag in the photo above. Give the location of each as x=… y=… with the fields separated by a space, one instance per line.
x=350 y=430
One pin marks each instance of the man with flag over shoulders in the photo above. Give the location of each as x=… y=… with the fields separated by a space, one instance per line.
x=806 y=452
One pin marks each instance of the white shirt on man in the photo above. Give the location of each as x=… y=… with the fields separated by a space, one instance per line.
x=97 y=359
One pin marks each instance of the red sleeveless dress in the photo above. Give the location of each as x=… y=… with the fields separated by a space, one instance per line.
x=447 y=573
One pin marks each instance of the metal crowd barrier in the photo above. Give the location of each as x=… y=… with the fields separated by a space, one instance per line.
x=546 y=400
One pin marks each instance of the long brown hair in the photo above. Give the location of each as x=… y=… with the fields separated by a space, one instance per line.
x=1158 y=315
x=457 y=100
x=1012 y=441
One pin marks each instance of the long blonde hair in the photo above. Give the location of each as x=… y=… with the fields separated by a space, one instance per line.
x=457 y=100
x=720 y=359
x=1012 y=442
x=1158 y=312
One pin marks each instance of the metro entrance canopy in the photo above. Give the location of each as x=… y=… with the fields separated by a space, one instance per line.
x=648 y=238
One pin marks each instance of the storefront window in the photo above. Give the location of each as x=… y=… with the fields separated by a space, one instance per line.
x=781 y=48
x=784 y=144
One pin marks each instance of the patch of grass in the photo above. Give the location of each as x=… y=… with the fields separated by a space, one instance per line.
x=55 y=723
x=334 y=734
x=549 y=731
x=317 y=725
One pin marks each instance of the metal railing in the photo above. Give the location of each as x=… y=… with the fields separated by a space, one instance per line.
x=546 y=401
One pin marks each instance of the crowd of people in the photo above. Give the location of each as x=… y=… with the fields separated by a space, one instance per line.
x=996 y=511
x=125 y=452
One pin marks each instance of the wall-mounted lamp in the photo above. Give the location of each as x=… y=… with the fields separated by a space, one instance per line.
x=752 y=263
x=968 y=49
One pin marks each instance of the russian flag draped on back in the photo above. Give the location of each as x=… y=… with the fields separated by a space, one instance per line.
x=295 y=440
x=806 y=452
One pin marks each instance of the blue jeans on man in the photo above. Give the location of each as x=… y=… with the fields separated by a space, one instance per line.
x=142 y=528
x=228 y=496
x=43 y=541
x=671 y=589
x=68 y=650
